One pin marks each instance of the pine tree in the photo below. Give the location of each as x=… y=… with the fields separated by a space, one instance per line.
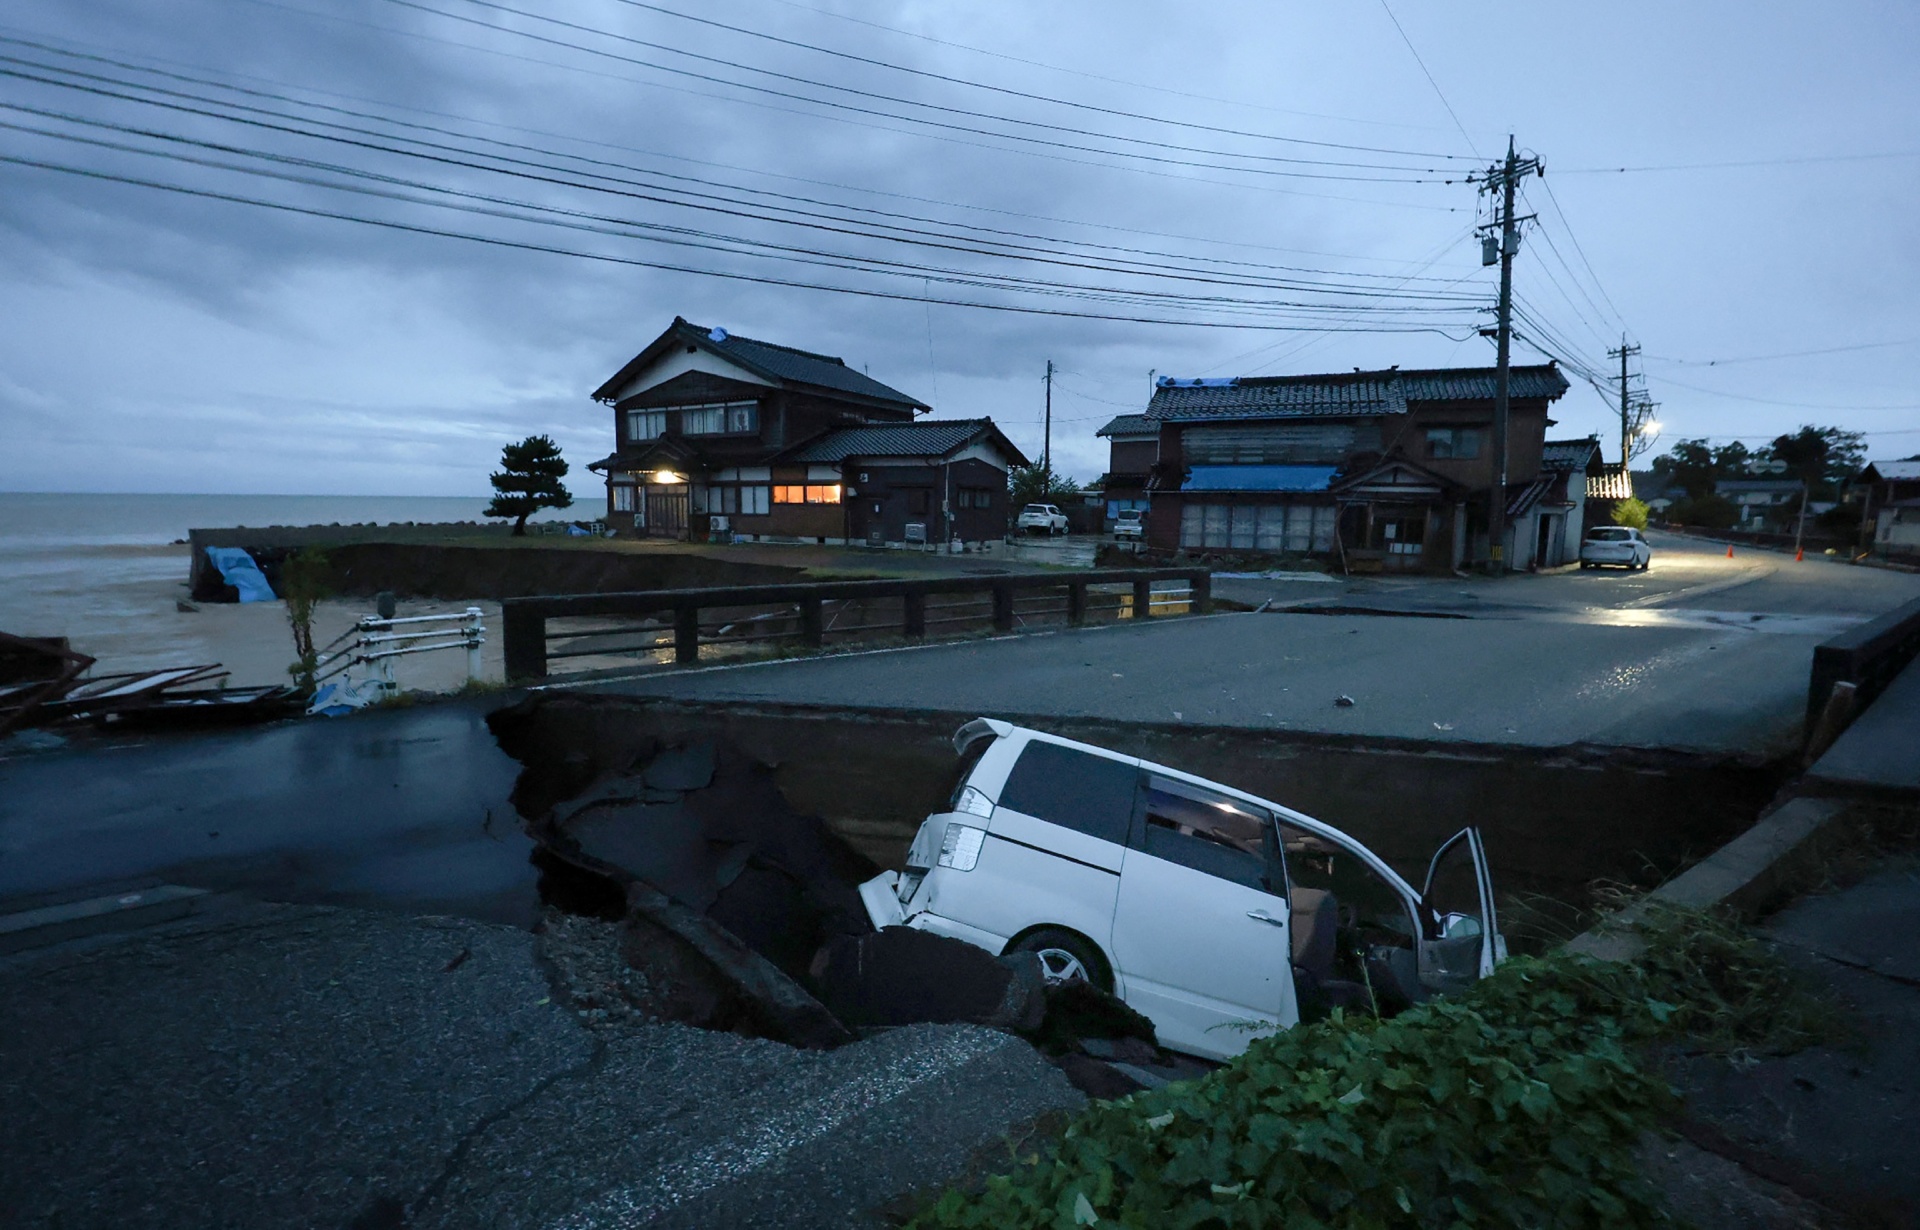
x=528 y=480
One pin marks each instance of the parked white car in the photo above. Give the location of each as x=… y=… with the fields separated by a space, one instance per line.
x=1615 y=544
x=1044 y=517
x=1131 y=523
x=1211 y=911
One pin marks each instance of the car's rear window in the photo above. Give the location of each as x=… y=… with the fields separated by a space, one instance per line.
x=1608 y=535
x=1039 y=508
x=1064 y=786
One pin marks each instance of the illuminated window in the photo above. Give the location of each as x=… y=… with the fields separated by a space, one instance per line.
x=809 y=493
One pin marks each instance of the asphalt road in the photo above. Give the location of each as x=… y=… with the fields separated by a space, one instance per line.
x=405 y=809
x=1700 y=652
x=288 y=1066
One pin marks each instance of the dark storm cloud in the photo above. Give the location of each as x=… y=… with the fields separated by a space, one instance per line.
x=155 y=341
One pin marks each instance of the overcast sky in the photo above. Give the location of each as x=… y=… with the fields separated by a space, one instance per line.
x=154 y=341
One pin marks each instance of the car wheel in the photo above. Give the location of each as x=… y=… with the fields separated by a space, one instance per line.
x=1066 y=957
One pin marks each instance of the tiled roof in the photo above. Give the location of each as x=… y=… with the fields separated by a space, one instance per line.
x=929 y=438
x=1128 y=425
x=779 y=364
x=802 y=366
x=1889 y=471
x=1342 y=394
x=1568 y=455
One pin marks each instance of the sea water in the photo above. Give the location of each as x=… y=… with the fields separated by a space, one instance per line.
x=108 y=571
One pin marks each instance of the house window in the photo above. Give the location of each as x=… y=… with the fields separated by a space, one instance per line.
x=622 y=498
x=646 y=424
x=974 y=497
x=703 y=420
x=1455 y=443
x=720 y=418
x=750 y=501
x=810 y=493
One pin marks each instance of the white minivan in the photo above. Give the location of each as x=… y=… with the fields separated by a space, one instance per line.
x=1214 y=913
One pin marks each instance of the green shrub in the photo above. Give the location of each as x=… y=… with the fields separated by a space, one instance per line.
x=1516 y=1104
x=1631 y=512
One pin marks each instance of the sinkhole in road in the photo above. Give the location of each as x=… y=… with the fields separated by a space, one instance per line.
x=1557 y=821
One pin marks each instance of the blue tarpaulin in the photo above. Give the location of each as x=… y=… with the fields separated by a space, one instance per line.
x=238 y=570
x=1260 y=478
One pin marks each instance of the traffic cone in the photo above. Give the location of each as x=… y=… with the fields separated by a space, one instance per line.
x=1729 y=550
x=1799 y=555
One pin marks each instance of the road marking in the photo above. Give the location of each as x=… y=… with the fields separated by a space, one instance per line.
x=773 y=1135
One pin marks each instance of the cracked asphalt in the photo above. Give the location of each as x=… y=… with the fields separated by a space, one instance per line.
x=295 y=1066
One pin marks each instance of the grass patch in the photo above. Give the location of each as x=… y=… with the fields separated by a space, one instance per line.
x=1518 y=1103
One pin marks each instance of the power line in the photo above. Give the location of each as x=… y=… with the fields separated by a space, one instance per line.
x=1075 y=72
x=1046 y=98
x=1790 y=354
x=906 y=102
x=1765 y=401
x=268 y=94
x=1795 y=160
x=944 y=243
x=1438 y=92
x=634 y=262
x=828 y=115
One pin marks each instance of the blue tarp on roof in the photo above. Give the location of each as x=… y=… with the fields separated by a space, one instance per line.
x=1259 y=478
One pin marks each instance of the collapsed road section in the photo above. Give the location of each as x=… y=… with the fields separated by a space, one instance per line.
x=746 y=857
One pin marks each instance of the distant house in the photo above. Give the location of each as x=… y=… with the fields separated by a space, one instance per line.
x=1134 y=445
x=1568 y=466
x=1385 y=470
x=1891 y=492
x=719 y=434
x=1764 y=503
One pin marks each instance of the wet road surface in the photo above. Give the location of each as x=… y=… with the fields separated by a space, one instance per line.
x=403 y=809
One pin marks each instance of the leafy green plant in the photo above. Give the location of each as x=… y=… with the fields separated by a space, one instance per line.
x=1631 y=512
x=305 y=578
x=1518 y=1103
x=1730 y=993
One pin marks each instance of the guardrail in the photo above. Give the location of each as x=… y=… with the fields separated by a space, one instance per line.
x=1856 y=666
x=526 y=635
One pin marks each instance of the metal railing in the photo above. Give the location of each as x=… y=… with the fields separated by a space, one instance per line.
x=524 y=621
x=375 y=641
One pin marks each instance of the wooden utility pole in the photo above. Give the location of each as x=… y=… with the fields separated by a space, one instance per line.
x=1046 y=443
x=1503 y=179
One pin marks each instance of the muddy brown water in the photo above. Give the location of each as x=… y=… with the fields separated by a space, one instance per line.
x=1556 y=821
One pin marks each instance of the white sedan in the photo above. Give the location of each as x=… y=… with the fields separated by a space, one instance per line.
x=1615 y=544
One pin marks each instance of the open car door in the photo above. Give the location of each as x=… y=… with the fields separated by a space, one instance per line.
x=1460 y=941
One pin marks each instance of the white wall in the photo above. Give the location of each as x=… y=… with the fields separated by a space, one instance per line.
x=679 y=363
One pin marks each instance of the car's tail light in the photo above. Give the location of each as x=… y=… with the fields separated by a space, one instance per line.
x=974 y=803
x=960 y=846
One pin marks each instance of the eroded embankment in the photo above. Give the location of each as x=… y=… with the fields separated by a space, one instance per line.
x=1555 y=820
x=425 y=570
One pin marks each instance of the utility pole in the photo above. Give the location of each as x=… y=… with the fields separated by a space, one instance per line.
x=1046 y=443
x=1636 y=409
x=1626 y=404
x=1503 y=179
